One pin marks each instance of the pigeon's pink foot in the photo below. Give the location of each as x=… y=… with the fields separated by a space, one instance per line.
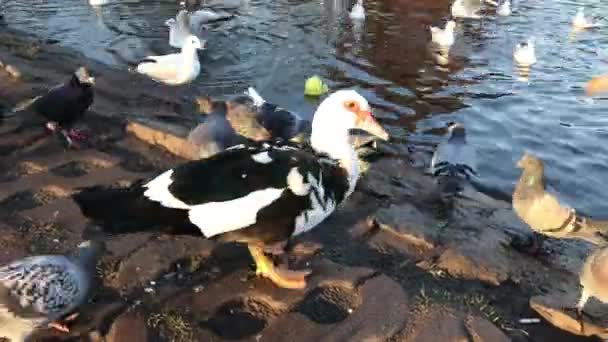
x=71 y=139
x=59 y=327
x=76 y=134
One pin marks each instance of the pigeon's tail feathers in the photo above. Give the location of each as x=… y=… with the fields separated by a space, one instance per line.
x=594 y=231
x=127 y=210
x=451 y=170
x=21 y=106
x=258 y=100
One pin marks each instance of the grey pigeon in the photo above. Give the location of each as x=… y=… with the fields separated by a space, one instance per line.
x=454 y=156
x=39 y=291
x=453 y=162
x=244 y=118
x=543 y=212
x=215 y=133
x=64 y=104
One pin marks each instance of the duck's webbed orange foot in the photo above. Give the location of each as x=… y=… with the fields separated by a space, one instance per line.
x=281 y=276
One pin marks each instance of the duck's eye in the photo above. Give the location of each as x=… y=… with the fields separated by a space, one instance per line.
x=351 y=105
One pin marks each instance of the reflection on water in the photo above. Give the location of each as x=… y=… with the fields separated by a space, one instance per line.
x=275 y=45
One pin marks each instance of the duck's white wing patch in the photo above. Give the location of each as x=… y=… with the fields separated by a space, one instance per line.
x=262 y=157
x=220 y=217
x=295 y=180
x=319 y=209
x=158 y=191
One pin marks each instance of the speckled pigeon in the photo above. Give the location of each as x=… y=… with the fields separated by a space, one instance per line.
x=39 y=291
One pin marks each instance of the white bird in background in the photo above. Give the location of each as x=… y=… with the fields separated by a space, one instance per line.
x=358 y=11
x=581 y=22
x=205 y=16
x=504 y=9
x=443 y=37
x=466 y=9
x=98 y=2
x=179 y=29
x=524 y=54
x=174 y=69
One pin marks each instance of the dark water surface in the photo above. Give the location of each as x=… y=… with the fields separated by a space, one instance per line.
x=275 y=44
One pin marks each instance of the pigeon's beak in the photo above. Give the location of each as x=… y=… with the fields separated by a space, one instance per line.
x=371 y=126
x=597 y=85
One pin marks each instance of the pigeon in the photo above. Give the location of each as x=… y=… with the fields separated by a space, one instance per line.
x=63 y=105
x=244 y=118
x=454 y=156
x=174 y=69
x=504 y=8
x=214 y=134
x=358 y=11
x=543 y=212
x=179 y=29
x=42 y=290
x=524 y=54
x=445 y=37
x=594 y=281
x=453 y=162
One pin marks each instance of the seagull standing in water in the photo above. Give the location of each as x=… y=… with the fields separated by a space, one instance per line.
x=445 y=37
x=504 y=8
x=581 y=22
x=358 y=11
x=524 y=54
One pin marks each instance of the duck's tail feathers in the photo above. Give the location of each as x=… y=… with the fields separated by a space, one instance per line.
x=127 y=210
x=258 y=100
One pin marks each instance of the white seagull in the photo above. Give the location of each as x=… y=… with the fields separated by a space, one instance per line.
x=524 y=54
x=443 y=37
x=174 y=69
x=179 y=29
x=504 y=9
x=581 y=22
x=358 y=11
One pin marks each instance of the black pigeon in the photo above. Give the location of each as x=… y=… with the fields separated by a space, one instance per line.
x=64 y=104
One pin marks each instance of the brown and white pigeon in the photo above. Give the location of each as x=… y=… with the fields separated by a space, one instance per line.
x=593 y=280
x=543 y=212
x=39 y=291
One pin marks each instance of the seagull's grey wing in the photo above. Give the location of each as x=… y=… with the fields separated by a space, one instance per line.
x=43 y=285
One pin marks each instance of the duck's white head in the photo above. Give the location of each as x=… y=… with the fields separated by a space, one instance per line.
x=339 y=113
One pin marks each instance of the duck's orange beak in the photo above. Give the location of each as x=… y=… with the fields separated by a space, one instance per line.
x=597 y=85
x=371 y=126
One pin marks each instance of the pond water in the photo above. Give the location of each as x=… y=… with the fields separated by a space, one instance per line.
x=275 y=44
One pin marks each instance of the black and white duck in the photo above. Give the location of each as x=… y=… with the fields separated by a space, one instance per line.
x=259 y=193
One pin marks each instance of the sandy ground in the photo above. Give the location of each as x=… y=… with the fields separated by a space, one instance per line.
x=391 y=265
